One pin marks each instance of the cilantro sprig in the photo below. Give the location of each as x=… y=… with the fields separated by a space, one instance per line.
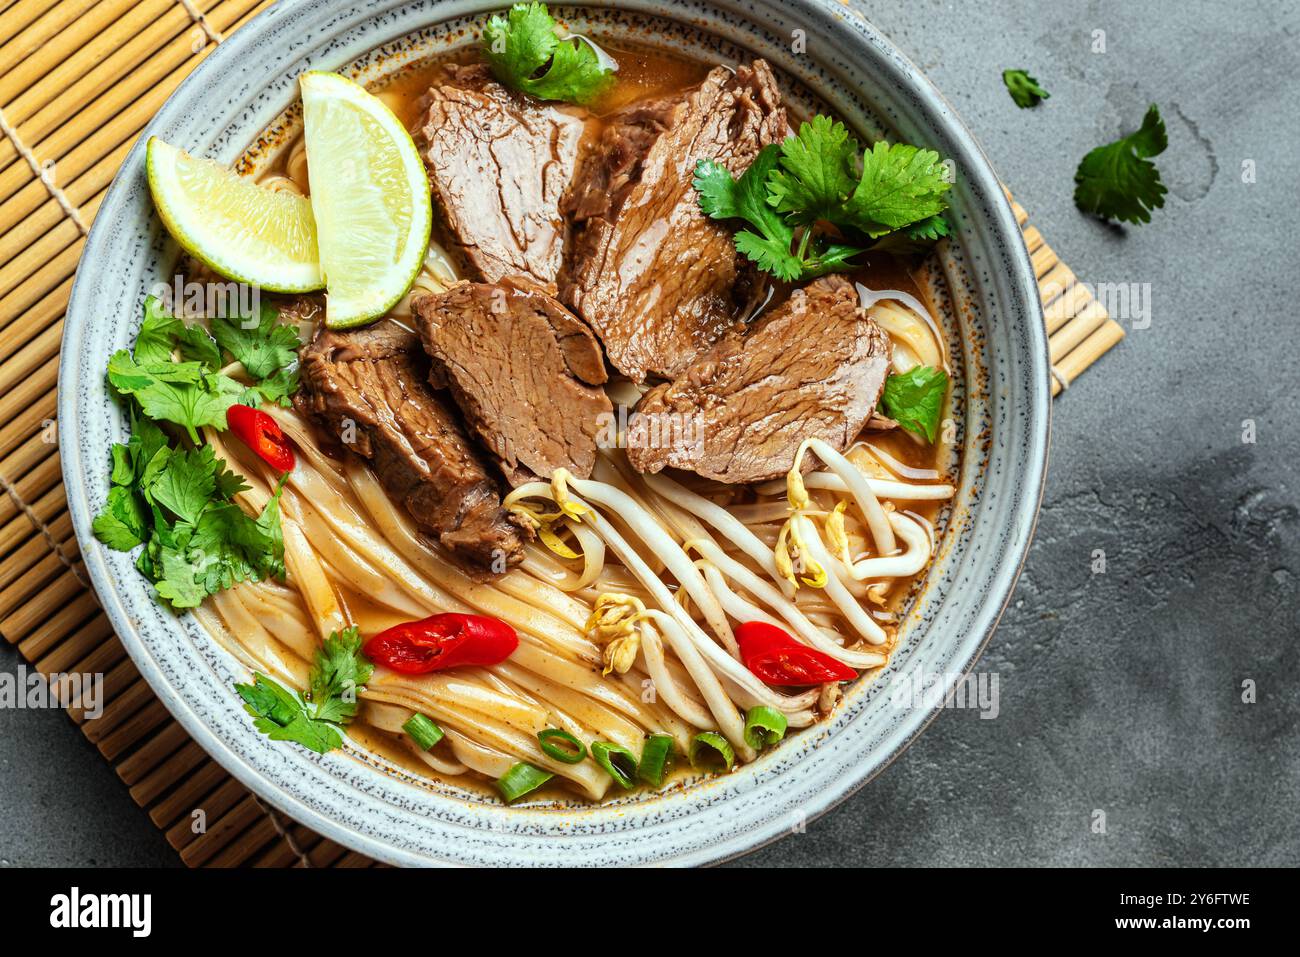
x=914 y=399
x=1119 y=181
x=770 y=243
x=314 y=719
x=168 y=490
x=1024 y=89
x=526 y=53
x=815 y=200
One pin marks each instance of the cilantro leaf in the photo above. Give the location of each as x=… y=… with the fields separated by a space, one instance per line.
x=1024 y=89
x=180 y=392
x=227 y=546
x=264 y=347
x=900 y=185
x=897 y=185
x=281 y=715
x=519 y=45
x=314 y=720
x=146 y=439
x=1119 y=181
x=819 y=172
x=179 y=583
x=185 y=483
x=195 y=343
x=930 y=228
x=340 y=670
x=123 y=524
x=123 y=464
x=278 y=387
x=913 y=239
x=914 y=399
x=153 y=344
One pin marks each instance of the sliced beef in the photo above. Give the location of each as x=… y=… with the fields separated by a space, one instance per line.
x=525 y=372
x=499 y=164
x=658 y=280
x=812 y=367
x=369 y=390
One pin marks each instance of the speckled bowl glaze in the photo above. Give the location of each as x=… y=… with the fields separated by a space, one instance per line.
x=1001 y=410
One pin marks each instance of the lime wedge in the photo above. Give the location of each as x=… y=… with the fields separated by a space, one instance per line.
x=370 y=196
x=231 y=224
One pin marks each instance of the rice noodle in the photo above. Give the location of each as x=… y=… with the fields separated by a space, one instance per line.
x=869 y=297
x=899 y=468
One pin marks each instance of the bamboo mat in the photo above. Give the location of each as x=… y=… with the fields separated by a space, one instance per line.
x=80 y=80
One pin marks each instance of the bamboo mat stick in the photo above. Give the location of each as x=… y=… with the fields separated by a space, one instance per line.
x=19 y=16
x=40 y=284
x=187 y=795
x=140 y=66
x=1092 y=349
x=117 y=678
x=28 y=557
x=149 y=781
x=118 y=742
x=50 y=630
x=224 y=816
x=40 y=351
x=31 y=418
x=22 y=526
x=21 y=329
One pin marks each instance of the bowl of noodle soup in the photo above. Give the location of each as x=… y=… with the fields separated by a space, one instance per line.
x=959 y=515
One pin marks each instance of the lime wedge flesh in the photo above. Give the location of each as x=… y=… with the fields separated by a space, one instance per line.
x=370 y=197
x=235 y=227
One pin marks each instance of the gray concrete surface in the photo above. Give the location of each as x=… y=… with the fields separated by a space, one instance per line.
x=1120 y=692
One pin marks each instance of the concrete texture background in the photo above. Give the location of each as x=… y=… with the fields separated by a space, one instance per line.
x=1120 y=692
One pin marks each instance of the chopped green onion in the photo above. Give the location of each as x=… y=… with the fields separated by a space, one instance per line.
x=422 y=731
x=764 y=726
x=520 y=779
x=572 y=754
x=606 y=754
x=656 y=758
x=711 y=741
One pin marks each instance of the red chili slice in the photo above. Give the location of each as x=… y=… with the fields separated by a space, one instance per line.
x=449 y=640
x=778 y=659
x=262 y=434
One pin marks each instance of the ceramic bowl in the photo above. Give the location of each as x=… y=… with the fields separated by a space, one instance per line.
x=824 y=52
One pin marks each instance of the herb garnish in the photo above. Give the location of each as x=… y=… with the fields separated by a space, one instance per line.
x=914 y=399
x=315 y=719
x=171 y=493
x=1118 y=180
x=1024 y=89
x=525 y=40
x=891 y=196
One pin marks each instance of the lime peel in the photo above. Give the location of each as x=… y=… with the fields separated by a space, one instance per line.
x=240 y=230
x=370 y=196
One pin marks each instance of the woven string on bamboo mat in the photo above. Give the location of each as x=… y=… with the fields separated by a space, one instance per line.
x=80 y=80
